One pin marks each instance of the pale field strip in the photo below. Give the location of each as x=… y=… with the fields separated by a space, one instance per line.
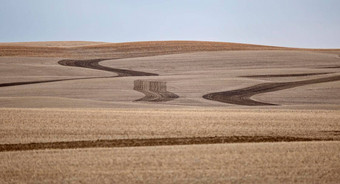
x=52 y=125
x=294 y=162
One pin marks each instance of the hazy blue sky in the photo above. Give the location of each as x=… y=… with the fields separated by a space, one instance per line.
x=296 y=23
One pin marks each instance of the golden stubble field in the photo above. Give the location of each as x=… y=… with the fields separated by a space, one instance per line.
x=168 y=112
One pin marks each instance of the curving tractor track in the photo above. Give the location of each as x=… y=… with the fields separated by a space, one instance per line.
x=91 y=64
x=285 y=75
x=243 y=96
x=94 y=64
x=154 y=91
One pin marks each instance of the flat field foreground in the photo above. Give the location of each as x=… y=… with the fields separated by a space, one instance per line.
x=168 y=112
x=298 y=162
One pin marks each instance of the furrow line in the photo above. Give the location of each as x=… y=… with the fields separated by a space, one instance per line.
x=151 y=142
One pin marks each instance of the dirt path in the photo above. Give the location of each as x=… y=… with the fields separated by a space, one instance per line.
x=151 y=142
x=242 y=96
x=155 y=91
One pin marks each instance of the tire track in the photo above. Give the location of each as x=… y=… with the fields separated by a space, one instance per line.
x=331 y=66
x=91 y=64
x=285 y=75
x=154 y=91
x=47 y=81
x=242 y=96
x=151 y=142
x=94 y=64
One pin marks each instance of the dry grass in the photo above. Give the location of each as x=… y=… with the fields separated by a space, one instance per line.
x=53 y=125
x=316 y=162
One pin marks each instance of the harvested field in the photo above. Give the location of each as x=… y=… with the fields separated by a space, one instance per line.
x=294 y=162
x=132 y=49
x=67 y=124
x=89 y=112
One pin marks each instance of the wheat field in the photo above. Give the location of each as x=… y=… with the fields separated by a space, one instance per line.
x=168 y=112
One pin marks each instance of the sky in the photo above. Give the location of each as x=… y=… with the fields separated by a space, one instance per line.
x=291 y=23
